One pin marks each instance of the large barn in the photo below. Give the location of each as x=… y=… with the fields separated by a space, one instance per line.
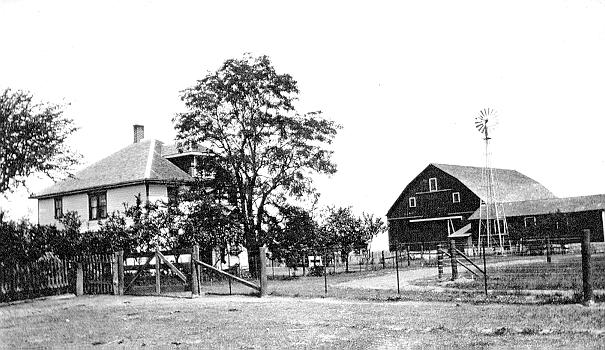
x=451 y=193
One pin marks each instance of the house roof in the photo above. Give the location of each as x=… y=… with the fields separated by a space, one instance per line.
x=510 y=185
x=550 y=205
x=137 y=163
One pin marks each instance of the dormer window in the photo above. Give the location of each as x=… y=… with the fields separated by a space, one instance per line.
x=432 y=184
x=412 y=202
x=456 y=197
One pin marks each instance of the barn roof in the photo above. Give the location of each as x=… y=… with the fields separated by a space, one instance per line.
x=550 y=205
x=137 y=163
x=510 y=185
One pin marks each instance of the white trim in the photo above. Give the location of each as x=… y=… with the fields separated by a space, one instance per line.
x=410 y=202
x=404 y=217
x=454 y=197
x=190 y=153
x=149 y=159
x=433 y=189
x=528 y=217
x=426 y=192
x=436 y=219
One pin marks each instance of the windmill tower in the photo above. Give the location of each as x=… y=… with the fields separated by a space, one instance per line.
x=493 y=229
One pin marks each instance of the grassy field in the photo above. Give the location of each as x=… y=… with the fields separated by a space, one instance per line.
x=244 y=322
x=563 y=273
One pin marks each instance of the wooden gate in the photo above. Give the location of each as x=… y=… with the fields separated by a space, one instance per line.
x=97 y=273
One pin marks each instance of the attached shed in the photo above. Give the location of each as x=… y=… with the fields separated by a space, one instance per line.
x=584 y=212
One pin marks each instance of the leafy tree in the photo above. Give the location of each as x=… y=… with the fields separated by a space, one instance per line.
x=245 y=113
x=203 y=216
x=294 y=234
x=347 y=231
x=32 y=139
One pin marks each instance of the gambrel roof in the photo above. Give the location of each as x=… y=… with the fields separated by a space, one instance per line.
x=550 y=205
x=138 y=163
x=510 y=185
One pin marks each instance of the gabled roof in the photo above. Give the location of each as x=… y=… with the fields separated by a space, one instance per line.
x=510 y=185
x=551 y=205
x=139 y=162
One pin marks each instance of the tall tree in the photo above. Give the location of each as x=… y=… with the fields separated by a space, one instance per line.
x=245 y=113
x=32 y=140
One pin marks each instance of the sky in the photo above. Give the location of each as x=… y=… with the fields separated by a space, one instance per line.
x=405 y=79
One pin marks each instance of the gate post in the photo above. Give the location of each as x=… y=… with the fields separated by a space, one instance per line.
x=263 y=270
x=121 y=272
x=586 y=269
x=195 y=254
x=79 y=279
x=114 y=270
x=453 y=259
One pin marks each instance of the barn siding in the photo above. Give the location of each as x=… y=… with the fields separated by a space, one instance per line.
x=429 y=205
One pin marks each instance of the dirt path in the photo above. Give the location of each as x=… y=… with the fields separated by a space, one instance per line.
x=406 y=277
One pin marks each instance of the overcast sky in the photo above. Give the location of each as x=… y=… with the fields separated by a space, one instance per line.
x=405 y=79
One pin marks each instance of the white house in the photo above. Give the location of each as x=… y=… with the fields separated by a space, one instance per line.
x=146 y=168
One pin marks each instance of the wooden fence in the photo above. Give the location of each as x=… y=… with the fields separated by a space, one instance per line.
x=33 y=279
x=97 y=273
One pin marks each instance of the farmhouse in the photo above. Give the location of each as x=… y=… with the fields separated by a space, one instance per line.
x=443 y=194
x=146 y=168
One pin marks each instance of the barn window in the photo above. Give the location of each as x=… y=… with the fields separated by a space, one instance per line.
x=456 y=197
x=412 y=202
x=58 y=207
x=97 y=206
x=432 y=184
x=529 y=221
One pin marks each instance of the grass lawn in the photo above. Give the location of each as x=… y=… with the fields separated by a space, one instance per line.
x=245 y=322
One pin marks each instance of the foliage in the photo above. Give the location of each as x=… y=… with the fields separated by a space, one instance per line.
x=348 y=232
x=245 y=113
x=203 y=216
x=294 y=234
x=32 y=139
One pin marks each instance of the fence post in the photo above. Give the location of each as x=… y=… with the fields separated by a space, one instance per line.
x=383 y=264
x=325 y=272
x=397 y=268
x=115 y=273
x=157 y=271
x=263 y=270
x=121 y=272
x=453 y=259
x=440 y=261
x=548 y=251
x=79 y=279
x=586 y=269
x=408 y=251
x=195 y=288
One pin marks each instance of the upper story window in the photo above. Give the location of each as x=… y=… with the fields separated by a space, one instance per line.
x=456 y=197
x=529 y=221
x=412 y=202
x=97 y=206
x=432 y=184
x=58 y=207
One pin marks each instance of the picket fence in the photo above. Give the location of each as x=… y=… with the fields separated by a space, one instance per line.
x=32 y=279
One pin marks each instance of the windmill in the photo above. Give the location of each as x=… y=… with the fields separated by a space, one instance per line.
x=493 y=230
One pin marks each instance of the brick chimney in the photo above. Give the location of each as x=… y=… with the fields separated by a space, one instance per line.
x=139 y=133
